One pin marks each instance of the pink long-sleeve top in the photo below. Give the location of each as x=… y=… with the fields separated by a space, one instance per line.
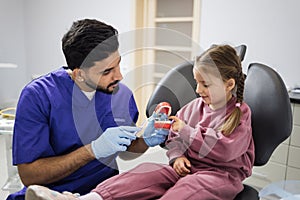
x=206 y=147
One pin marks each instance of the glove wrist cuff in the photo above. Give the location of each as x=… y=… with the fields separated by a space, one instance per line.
x=93 y=147
x=148 y=143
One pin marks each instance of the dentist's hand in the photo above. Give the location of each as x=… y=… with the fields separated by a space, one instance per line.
x=152 y=136
x=113 y=140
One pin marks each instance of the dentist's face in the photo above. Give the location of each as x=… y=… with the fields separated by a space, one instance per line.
x=104 y=75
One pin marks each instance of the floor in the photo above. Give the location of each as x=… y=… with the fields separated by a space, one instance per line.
x=154 y=154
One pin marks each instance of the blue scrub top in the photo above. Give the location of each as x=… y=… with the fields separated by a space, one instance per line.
x=54 y=118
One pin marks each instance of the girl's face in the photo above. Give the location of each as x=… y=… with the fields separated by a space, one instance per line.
x=213 y=90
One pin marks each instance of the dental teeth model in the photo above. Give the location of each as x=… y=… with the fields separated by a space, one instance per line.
x=163 y=108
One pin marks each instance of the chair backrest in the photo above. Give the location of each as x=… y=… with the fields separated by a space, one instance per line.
x=178 y=86
x=268 y=99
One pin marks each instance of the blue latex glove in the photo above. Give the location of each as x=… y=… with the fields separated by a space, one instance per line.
x=113 y=140
x=160 y=116
x=152 y=136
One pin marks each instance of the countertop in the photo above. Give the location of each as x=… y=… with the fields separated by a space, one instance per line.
x=294 y=97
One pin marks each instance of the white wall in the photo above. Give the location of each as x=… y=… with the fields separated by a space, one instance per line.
x=31 y=33
x=269 y=28
x=47 y=21
x=12 y=50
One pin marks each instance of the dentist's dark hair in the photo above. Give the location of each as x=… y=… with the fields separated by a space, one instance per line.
x=87 y=41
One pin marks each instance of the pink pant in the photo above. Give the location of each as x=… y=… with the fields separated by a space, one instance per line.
x=155 y=181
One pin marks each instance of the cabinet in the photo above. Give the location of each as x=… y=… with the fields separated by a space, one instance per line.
x=168 y=35
x=284 y=163
x=13 y=182
x=176 y=33
x=293 y=164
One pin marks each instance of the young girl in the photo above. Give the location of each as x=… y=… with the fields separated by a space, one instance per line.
x=210 y=145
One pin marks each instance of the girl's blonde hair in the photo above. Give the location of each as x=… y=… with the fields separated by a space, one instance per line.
x=225 y=59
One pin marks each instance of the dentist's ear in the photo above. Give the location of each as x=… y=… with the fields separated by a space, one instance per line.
x=80 y=79
x=77 y=74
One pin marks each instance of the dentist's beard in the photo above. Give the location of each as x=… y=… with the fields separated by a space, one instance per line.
x=107 y=90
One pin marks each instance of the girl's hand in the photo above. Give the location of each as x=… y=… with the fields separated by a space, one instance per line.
x=181 y=166
x=177 y=124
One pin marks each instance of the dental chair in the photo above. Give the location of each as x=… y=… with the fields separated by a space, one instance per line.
x=268 y=99
x=265 y=93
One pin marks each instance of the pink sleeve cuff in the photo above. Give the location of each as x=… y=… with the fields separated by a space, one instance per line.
x=187 y=134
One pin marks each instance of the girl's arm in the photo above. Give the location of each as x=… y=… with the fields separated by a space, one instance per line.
x=208 y=141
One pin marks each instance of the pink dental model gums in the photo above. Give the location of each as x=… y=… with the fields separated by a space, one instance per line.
x=163 y=108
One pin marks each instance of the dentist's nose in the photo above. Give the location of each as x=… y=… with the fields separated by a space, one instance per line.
x=118 y=75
